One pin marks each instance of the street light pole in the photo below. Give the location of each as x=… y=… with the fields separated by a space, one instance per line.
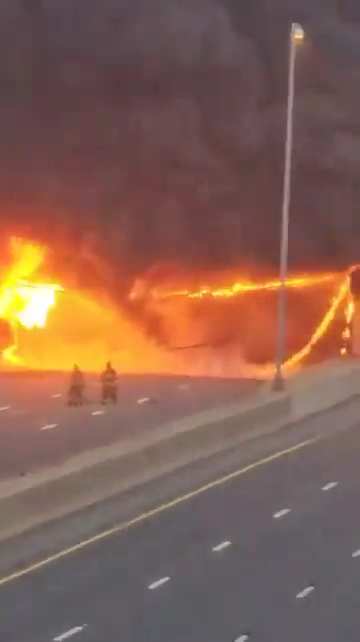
x=296 y=37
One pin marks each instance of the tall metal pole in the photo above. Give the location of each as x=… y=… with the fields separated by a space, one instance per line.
x=296 y=35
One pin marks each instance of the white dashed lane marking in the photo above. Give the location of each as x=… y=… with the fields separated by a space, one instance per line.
x=98 y=412
x=56 y=395
x=48 y=426
x=70 y=633
x=221 y=546
x=281 y=513
x=305 y=592
x=158 y=583
x=330 y=486
x=242 y=638
x=4 y=408
x=356 y=553
x=143 y=400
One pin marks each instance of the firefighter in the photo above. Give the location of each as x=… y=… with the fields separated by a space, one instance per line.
x=76 y=389
x=108 y=382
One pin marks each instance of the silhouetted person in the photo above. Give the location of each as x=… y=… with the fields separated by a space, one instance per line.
x=108 y=384
x=77 y=386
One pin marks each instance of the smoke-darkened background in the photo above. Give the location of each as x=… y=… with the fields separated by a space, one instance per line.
x=154 y=130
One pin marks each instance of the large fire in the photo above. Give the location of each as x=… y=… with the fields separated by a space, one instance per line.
x=28 y=301
x=23 y=302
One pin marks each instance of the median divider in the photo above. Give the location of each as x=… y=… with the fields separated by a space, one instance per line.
x=324 y=386
x=95 y=475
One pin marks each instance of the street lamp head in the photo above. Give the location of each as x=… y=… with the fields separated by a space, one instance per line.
x=297 y=33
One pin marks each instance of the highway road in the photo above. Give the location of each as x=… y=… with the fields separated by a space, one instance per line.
x=37 y=429
x=270 y=554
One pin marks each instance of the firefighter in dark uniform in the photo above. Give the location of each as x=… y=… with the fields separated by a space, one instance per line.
x=108 y=384
x=76 y=389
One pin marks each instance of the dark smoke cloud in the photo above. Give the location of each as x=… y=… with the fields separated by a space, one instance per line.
x=152 y=130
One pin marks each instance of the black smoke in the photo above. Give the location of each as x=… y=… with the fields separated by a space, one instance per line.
x=144 y=130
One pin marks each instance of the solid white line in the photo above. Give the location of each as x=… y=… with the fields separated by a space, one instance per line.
x=143 y=400
x=70 y=633
x=221 y=546
x=5 y=408
x=281 y=513
x=305 y=592
x=48 y=426
x=330 y=486
x=158 y=583
x=98 y=412
x=356 y=553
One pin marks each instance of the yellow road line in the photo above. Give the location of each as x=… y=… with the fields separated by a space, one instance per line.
x=155 y=511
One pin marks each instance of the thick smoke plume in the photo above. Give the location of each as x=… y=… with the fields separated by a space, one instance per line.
x=144 y=130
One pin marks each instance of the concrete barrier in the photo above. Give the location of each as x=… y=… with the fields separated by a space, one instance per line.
x=321 y=387
x=95 y=475
x=99 y=474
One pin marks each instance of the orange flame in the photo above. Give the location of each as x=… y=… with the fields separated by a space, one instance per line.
x=346 y=335
x=243 y=287
x=21 y=302
x=25 y=300
x=299 y=282
x=322 y=327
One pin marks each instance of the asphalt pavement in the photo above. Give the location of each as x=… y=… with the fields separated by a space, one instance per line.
x=271 y=555
x=37 y=429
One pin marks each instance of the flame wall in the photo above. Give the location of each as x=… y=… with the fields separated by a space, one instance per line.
x=205 y=337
